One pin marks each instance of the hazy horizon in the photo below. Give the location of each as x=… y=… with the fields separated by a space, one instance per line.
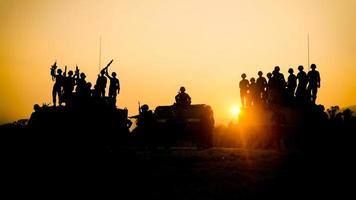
x=158 y=46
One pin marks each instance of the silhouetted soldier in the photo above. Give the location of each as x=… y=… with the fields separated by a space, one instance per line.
x=291 y=84
x=314 y=83
x=57 y=87
x=301 y=93
x=253 y=92
x=101 y=84
x=280 y=81
x=261 y=85
x=182 y=98
x=243 y=90
x=68 y=87
x=145 y=122
x=277 y=86
x=81 y=85
x=114 y=87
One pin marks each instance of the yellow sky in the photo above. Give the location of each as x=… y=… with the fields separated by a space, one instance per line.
x=159 y=45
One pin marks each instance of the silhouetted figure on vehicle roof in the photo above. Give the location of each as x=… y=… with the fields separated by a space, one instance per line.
x=145 y=124
x=57 y=87
x=244 y=84
x=301 y=93
x=68 y=87
x=114 y=87
x=182 y=98
x=314 y=83
x=101 y=84
x=81 y=85
x=261 y=85
x=253 y=92
x=291 y=84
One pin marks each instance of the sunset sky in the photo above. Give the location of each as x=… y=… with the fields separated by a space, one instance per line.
x=160 y=45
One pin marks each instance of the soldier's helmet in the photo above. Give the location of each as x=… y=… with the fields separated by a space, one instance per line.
x=243 y=75
x=277 y=69
x=290 y=70
x=269 y=75
x=300 y=67
x=113 y=74
x=182 y=89
x=70 y=73
x=59 y=71
x=144 y=107
x=82 y=75
x=260 y=73
x=252 y=80
x=313 y=66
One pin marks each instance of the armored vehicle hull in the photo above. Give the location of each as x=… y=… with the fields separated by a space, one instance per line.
x=181 y=125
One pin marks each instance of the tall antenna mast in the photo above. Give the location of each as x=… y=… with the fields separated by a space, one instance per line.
x=308 y=54
x=100 y=55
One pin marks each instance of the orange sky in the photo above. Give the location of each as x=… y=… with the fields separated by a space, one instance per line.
x=159 y=45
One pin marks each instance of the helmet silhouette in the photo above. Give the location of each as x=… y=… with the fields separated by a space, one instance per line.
x=243 y=75
x=182 y=89
x=277 y=69
x=300 y=67
x=290 y=70
x=313 y=66
x=260 y=73
x=144 y=107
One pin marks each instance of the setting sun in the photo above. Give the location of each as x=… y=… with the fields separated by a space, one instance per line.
x=235 y=110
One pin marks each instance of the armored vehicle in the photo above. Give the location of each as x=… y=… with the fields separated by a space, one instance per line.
x=91 y=126
x=182 y=125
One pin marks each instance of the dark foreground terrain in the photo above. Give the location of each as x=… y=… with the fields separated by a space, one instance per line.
x=184 y=173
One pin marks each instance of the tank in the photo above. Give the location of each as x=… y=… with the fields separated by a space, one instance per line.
x=185 y=125
x=94 y=125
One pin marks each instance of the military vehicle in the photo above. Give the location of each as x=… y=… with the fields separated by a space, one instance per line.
x=94 y=125
x=184 y=125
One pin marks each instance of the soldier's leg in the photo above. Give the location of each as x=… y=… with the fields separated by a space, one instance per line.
x=314 y=93
x=54 y=96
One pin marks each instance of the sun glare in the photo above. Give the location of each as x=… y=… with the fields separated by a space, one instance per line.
x=235 y=110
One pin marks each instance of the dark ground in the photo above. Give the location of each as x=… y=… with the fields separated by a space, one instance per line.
x=218 y=173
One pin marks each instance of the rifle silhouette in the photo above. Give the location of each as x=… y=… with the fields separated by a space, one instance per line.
x=107 y=66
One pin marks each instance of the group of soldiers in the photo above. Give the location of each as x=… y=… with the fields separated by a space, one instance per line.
x=66 y=87
x=301 y=88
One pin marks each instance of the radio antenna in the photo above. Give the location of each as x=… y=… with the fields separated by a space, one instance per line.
x=308 y=54
x=100 y=54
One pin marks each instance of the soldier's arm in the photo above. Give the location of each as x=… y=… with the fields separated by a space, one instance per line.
x=319 y=79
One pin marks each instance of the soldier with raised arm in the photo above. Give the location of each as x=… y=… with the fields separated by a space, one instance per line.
x=57 y=87
x=114 y=87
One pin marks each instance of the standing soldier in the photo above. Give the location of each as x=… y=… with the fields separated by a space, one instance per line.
x=253 y=92
x=314 y=83
x=57 y=87
x=68 y=87
x=243 y=90
x=114 y=87
x=291 y=84
x=261 y=85
x=269 y=86
x=81 y=85
x=301 y=93
x=101 y=84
